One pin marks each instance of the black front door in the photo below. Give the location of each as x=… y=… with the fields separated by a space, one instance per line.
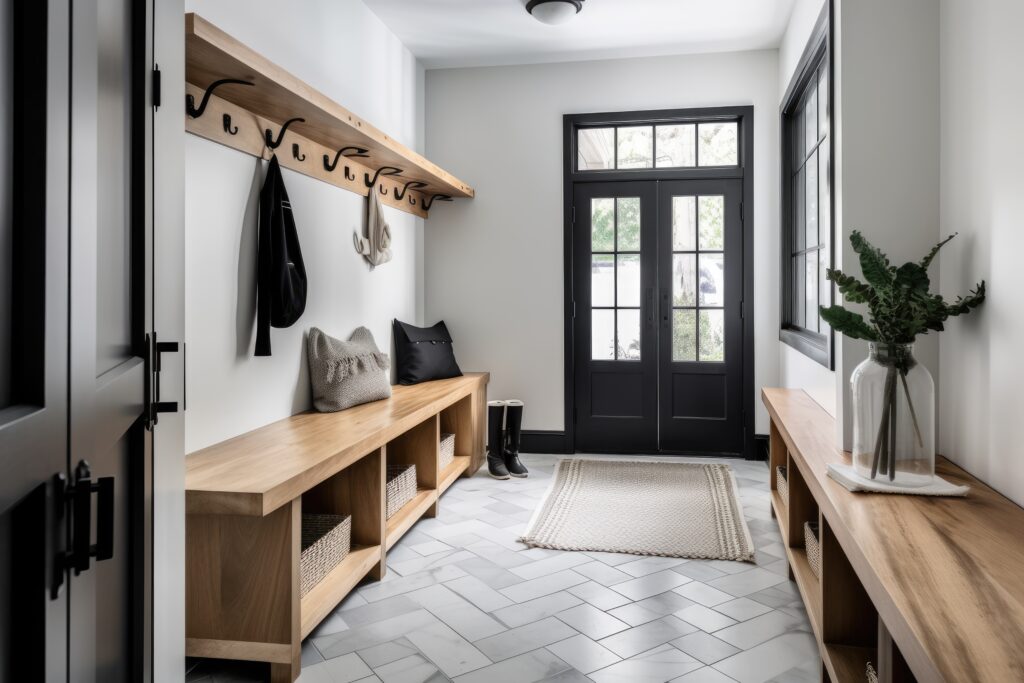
x=75 y=451
x=658 y=338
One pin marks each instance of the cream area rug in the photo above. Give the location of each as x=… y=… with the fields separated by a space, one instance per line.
x=644 y=508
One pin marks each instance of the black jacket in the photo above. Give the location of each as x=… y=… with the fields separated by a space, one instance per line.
x=280 y=273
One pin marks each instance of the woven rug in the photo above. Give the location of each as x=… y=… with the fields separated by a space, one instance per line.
x=644 y=508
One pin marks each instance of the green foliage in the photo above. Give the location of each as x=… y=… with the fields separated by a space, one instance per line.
x=898 y=300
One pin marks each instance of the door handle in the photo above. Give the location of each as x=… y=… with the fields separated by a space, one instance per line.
x=80 y=495
x=649 y=302
x=666 y=308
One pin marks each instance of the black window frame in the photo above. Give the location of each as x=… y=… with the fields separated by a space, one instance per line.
x=818 y=346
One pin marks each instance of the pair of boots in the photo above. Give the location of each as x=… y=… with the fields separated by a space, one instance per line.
x=504 y=427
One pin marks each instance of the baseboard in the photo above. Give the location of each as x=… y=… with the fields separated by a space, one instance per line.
x=543 y=441
x=760 y=447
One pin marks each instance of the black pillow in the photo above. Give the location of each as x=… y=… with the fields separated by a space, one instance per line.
x=424 y=353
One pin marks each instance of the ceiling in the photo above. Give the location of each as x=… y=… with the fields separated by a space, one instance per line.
x=453 y=33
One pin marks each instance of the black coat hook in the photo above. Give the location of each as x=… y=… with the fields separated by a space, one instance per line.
x=412 y=184
x=412 y=199
x=228 y=128
x=268 y=136
x=349 y=176
x=190 y=102
x=359 y=152
x=383 y=190
x=437 y=197
x=295 y=152
x=383 y=170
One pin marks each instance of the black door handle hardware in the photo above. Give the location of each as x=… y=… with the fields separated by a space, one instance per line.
x=80 y=495
x=154 y=406
x=649 y=302
x=666 y=308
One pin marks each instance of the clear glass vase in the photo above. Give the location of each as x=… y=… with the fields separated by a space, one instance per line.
x=893 y=417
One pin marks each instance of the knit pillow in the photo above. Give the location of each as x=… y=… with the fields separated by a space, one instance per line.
x=346 y=374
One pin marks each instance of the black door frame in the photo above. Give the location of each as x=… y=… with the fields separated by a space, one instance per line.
x=744 y=116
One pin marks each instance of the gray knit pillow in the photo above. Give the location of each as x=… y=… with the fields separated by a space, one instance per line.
x=346 y=373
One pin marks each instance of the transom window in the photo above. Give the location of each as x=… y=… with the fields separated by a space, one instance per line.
x=678 y=145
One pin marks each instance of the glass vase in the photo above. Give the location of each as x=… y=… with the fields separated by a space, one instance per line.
x=893 y=417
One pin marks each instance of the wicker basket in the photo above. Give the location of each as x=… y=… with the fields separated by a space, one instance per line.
x=872 y=676
x=813 y=547
x=401 y=487
x=781 y=485
x=447 y=450
x=325 y=543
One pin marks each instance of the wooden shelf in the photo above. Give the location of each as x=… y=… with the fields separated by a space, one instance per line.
x=448 y=475
x=409 y=515
x=324 y=597
x=847 y=663
x=277 y=96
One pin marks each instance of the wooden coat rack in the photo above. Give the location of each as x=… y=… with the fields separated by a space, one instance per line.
x=238 y=98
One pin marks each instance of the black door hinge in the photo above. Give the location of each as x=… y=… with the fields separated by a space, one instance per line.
x=154 y=406
x=156 y=87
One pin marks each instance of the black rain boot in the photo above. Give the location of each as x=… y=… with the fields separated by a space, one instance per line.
x=513 y=430
x=496 y=439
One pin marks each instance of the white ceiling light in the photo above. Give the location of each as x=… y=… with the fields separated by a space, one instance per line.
x=554 y=11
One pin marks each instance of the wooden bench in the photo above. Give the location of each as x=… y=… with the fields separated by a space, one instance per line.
x=927 y=589
x=245 y=497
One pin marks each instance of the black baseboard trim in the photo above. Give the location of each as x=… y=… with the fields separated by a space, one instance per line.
x=541 y=441
x=760 y=447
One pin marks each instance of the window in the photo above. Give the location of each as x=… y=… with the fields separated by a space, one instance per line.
x=807 y=201
x=686 y=145
x=615 y=278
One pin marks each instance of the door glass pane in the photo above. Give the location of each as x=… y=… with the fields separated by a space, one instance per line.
x=602 y=224
x=684 y=223
x=628 y=209
x=684 y=335
x=712 y=335
x=602 y=280
x=712 y=223
x=677 y=146
x=628 y=280
x=602 y=334
x=810 y=118
x=629 y=334
x=716 y=144
x=812 y=291
x=811 y=194
x=636 y=147
x=684 y=279
x=712 y=280
x=595 y=149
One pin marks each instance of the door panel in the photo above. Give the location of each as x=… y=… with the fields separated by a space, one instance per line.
x=615 y=341
x=701 y=354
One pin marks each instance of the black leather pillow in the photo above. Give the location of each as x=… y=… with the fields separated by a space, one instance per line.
x=424 y=353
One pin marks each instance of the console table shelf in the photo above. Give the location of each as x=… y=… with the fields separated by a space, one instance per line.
x=245 y=498
x=924 y=588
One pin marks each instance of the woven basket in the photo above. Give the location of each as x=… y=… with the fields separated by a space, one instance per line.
x=813 y=547
x=781 y=484
x=447 y=450
x=872 y=676
x=401 y=487
x=325 y=543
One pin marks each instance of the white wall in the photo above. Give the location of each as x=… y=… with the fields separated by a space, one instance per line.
x=795 y=369
x=982 y=180
x=494 y=264
x=342 y=49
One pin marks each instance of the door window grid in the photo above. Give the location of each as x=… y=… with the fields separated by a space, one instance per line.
x=615 y=278
x=698 y=276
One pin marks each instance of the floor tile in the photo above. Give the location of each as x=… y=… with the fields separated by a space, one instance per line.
x=592 y=622
x=703 y=594
x=704 y=618
x=492 y=575
x=634 y=615
x=655 y=666
x=699 y=570
x=520 y=640
x=599 y=596
x=705 y=647
x=343 y=669
x=452 y=653
x=545 y=585
x=430 y=547
x=406 y=584
x=705 y=675
x=377 y=611
x=747 y=582
x=598 y=571
x=652 y=584
x=377 y=633
x=646 y=636
x=747 y=634
x=535 y=610
x=412 y=669
x=649 y=565
x=385 y=653
x=583 y=654
x=769 y=659
x=539 y=665
x=478 y=593
x=742 y=609
x=550 y=565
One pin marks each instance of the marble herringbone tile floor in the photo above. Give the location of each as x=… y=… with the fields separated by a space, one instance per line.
x=464 y=601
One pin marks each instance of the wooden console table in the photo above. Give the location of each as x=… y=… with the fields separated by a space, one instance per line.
x=245 y=498
x=927 y=589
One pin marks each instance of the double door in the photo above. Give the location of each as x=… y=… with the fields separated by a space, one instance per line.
x=658 y=334
x=75 y=306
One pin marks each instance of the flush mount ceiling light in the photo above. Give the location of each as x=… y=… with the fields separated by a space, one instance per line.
x=554 y=11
